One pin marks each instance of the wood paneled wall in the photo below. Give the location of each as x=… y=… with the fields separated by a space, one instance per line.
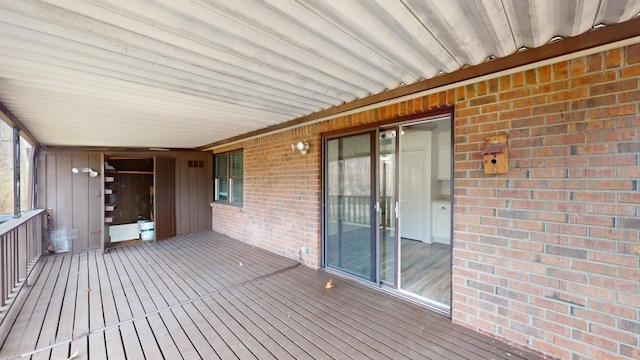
x=77 y=199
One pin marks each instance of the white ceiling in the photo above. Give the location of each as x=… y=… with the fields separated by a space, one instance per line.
x=169 y=73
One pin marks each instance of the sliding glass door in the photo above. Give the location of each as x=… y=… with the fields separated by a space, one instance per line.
x=350 y=209
x=387 y=208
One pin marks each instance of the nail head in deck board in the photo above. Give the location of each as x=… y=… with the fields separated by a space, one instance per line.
x=147 y=301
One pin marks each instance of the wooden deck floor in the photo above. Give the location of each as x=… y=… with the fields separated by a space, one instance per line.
x=208 y=296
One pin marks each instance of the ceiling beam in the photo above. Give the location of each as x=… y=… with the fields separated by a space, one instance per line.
x=9 y=118
x=603 y=36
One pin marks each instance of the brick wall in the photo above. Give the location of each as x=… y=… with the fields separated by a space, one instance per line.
x=282 y=190
x=545 y=256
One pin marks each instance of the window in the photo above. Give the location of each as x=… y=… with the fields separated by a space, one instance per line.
x=6 y=169
x=26 y=174
x=228 y=173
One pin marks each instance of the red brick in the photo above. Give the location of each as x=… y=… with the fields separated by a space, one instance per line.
x=593 y=243
x=593 y=316
x=606 y=221
x=594 y=62
x=593 y=102
x=612 y=111
x=567 y=139
x=614 y=234
x=613 y=284
x=614 y=86
x=493 y=85
x=558 y=351
x=632 y=54
x=612 y=185
x=616 y=259
x=531 y=77
x=612 y=58
x=561 y=70
x=614 y=160
x=549 y=195
x=630 y=72
x=588 y=266
x=629 y=299
x=547 y=281
x=567 y=320
x=629 y=96
x=599 y=354
x=552 y=327
x=517 y=79
x=614 y=309
x=578 y=67
x=631 y=352
x=631 y=198
x=544 y=74
x=613 y=334
x=595 y=340
x=514 y=94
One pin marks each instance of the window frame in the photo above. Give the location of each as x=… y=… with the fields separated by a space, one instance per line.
x=228 y=177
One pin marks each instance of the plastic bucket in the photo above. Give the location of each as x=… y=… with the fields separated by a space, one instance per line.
x=147 y=230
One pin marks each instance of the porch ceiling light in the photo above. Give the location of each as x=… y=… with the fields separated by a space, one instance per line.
x=301 y=146
x=89 y=170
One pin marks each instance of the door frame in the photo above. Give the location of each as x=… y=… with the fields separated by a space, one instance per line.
x=397 y=123
x=396 y=208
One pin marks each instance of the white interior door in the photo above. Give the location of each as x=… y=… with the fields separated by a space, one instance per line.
x=412 y=195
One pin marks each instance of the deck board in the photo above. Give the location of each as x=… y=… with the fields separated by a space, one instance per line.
x=207 y=296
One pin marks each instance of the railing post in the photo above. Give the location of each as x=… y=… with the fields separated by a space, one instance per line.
x=3 y=274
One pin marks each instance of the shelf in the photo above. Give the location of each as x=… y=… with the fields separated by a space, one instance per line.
x=110 y=207
x=109 y=219
x=135 y=172
x=108 y=191
x=109 y=179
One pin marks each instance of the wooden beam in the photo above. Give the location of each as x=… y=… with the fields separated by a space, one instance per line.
x=591 y=39
x=14 y=122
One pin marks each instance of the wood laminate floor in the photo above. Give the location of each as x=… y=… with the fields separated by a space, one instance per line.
x=207 y=296
x=426 y=270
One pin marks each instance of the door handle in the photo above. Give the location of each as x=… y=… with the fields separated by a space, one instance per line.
x=397 y=210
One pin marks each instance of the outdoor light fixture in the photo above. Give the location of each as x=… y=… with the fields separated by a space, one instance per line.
x=89 y=170
x=301 y=146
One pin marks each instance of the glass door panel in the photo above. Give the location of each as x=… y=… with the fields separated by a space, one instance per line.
x=387 y=192
x=350 y=243
x=425 y=205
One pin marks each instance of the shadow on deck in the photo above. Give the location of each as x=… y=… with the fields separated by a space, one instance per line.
x=208 y=296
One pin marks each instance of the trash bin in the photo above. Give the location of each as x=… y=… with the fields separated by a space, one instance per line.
x=147 y=230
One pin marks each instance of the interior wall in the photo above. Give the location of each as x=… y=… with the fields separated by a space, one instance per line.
x=77 y=199
x=545 y=256
x=415 y=184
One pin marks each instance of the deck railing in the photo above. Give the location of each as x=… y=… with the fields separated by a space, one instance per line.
x=357 y=209
x=20 y=249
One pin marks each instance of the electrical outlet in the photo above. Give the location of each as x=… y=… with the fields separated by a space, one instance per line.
x=304 y=250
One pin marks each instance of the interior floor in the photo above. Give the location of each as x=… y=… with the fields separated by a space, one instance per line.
x=426 y=270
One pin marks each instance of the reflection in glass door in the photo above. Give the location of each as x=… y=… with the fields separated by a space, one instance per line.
x=350 y=240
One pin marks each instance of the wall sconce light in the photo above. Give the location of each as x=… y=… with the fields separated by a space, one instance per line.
x=301 y=146
x=89 y=170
